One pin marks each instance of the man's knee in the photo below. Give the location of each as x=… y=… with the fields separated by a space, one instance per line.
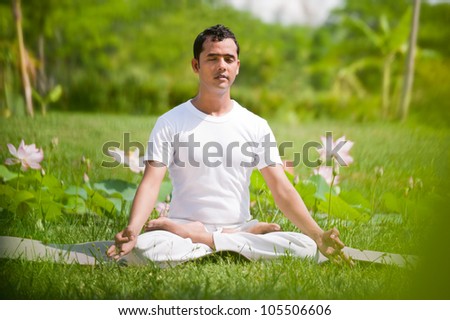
x=151 y=239
x=295 y=243
x=304 y=245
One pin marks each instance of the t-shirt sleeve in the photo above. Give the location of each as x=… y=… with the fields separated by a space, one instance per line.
x=160 y=144
x=267 y=149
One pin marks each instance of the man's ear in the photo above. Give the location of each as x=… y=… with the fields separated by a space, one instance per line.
x=195 y=65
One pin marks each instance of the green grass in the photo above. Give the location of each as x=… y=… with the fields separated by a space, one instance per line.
x=403 y=151
x=214 y=278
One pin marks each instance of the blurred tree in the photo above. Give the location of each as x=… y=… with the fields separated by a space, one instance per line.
x=133 y=57
x=409 y=65
x=25 y=62
x=40 y=24
x=389 y=42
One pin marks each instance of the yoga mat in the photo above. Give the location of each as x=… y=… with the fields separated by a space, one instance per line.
x=91 y=253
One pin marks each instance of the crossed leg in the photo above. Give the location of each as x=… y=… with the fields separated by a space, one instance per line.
x=172 y=243
x=194 y=230
x=258 y=228
x=197 y=232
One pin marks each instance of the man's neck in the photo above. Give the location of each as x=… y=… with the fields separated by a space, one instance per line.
x=213 y=104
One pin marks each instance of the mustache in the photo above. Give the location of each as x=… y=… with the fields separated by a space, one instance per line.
x=220 y=75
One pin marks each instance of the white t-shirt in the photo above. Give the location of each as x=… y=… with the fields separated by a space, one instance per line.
x=210 y=160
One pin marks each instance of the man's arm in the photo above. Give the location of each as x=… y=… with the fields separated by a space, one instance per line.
x=143 y=204
x=293 y=207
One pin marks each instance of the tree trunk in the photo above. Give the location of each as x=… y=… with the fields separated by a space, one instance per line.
x=17 y=13
x=386 y=86
x=42 y=76
x=409 y=65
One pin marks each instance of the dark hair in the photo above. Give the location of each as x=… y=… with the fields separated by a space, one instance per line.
x=216 y=33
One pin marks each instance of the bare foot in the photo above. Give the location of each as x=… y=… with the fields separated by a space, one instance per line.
x=264 y=227
x=193 y=230
x=258 y=228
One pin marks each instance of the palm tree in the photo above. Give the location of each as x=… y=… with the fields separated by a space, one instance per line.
x=409 y=68
x=24 y=59
x=389 y=42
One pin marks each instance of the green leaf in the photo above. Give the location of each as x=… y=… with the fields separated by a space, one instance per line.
x=51 y=210
x=6 y=196
x=24 y=208
x=55 y=94
x=5 y=174
x=100 y=204
x=307 y=190
x=76 y=191
x=257 y=182
x=37 y=96
x=342 y=210
x=117 y=203
x=75 y=204
x=322 y=187
x=51 y=182
x=392 y=203
x=399 y=35
x=22 y=196
x=164 y=191
x=53 y=186
x=289 y=176
x=7 y=191
x=365 y=28
x=384 y=24
x=116 y=187
x=356 y=200
x=27 y=180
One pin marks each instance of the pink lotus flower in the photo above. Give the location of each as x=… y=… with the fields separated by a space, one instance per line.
x=338 y=150
x=162 y=208
x=131 y=159
x=327 y=174
x=27 y=155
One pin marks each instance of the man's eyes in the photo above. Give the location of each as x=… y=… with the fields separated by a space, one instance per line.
x=227 y=60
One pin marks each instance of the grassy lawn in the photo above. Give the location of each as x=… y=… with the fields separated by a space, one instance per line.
x=403 y=150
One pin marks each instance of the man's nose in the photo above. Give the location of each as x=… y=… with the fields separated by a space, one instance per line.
x=221 y=64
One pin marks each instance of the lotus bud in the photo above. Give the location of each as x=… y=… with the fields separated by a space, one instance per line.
x=54 y=142
x=335 y=168
x=411 y=182
x=379 y=172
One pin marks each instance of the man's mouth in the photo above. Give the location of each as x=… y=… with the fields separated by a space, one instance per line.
x=221 y=76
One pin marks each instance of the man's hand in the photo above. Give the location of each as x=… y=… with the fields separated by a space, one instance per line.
x=125 y=242
x=331 y=246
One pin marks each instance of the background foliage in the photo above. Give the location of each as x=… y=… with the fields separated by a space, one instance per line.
x=134 y=57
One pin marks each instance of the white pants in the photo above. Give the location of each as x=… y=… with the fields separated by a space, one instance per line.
x=166 y=249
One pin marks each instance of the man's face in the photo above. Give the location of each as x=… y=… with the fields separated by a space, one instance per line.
x=218 y=64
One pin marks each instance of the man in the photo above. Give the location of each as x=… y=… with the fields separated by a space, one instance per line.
x=210 y=145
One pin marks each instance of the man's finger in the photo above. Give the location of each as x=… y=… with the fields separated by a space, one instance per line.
x=338 y=242
x=111 y=250
x=335 y=231
x=116 y=255
x=346 y=258
x=336 y=259
x=124 y=239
